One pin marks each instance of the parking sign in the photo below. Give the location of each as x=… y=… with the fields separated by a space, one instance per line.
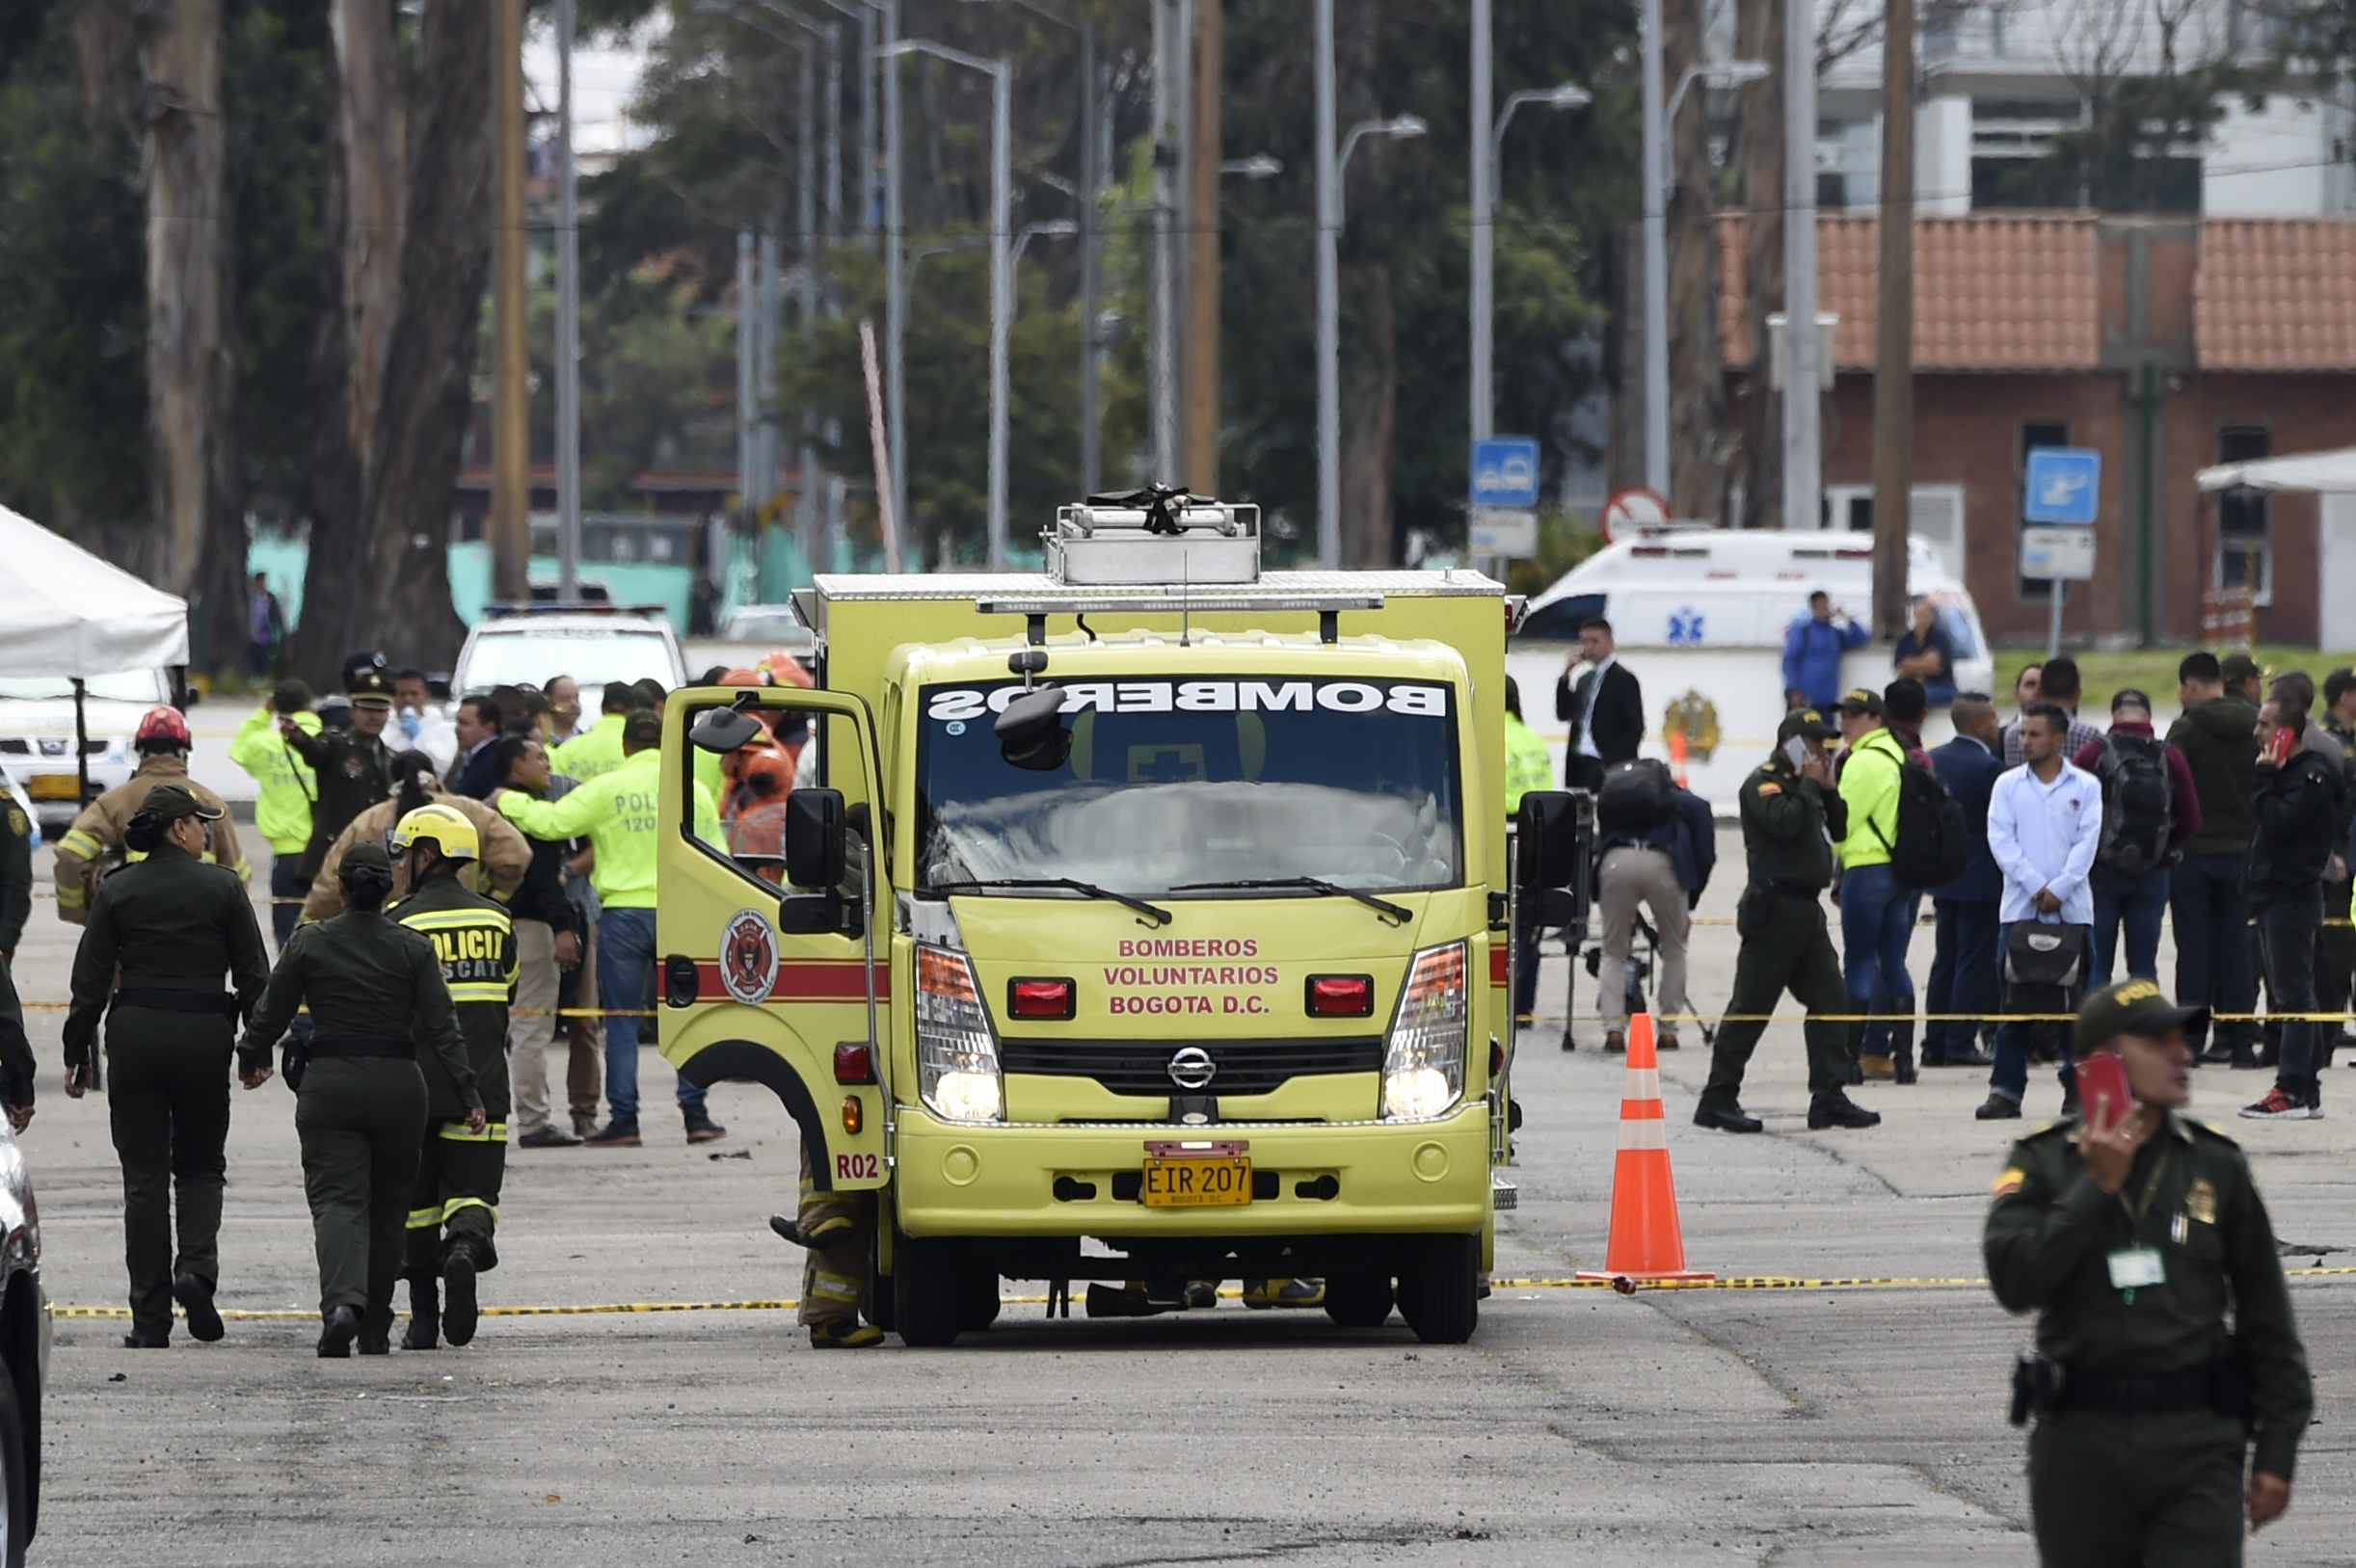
x=1505 y=472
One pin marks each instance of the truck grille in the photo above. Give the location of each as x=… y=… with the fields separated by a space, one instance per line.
x=1245 y=1067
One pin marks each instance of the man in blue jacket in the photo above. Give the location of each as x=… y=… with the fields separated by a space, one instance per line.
x=1811 y=654
x=1963 y=963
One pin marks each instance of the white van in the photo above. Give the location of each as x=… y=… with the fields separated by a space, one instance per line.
x=1699 y=615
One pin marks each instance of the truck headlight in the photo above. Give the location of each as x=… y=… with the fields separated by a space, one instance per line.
x=956 y=1057
x=1423 y=1070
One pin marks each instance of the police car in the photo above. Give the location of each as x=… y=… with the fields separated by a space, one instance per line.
x=36 y=735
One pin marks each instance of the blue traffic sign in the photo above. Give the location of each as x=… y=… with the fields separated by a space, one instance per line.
x=1504 y=471
x=2065 y=485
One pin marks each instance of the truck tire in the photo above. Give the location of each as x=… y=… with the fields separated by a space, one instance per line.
x=1359 y=1299
x=981 y=1292
x=1439 y=1289
x=16 y=1475
x=930 y=1306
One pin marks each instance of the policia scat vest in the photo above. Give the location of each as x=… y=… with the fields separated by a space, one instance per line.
x=475 y=941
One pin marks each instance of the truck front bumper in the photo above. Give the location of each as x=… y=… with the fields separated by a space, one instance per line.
x=1363 y=1178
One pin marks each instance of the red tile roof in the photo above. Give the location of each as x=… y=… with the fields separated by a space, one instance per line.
x=1992 y=291
x=2276 y=294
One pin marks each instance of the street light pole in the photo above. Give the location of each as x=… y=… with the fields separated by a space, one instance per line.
x=568 y=325
x=1091 y=429
x=1001 y=236
x=896 y=288
x=1656 y=256
x=1487 y=157
x=1803 y=434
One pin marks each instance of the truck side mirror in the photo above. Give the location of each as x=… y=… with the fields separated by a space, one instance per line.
x=723 y=730
x=1551 y=841
x=817 y=833
x=1031 y=733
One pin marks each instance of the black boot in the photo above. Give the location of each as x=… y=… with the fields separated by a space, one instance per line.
x=342 y=1328
x=1857 y=1049
x=1902 y=1049
x=425 y=1315
x=459 y=1311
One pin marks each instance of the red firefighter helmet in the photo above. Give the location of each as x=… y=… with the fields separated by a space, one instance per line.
x=162 y=724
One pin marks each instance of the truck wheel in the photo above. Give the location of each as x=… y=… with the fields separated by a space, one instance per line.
x=1358 y=1299
x=15 y=1473
x=929 y=1308
x=981 y=1292
x=880 y=1298
x=1439 y=1289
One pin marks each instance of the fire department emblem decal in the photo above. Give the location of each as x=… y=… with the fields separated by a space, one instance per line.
x=748 y=957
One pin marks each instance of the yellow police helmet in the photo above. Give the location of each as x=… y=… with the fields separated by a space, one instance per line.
x=444 y=827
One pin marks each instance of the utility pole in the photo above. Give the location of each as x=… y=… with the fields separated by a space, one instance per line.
x=1328 y=300
x=806 y=220
x=1803 y=430
x=1200 y=469
x=1484 y=201
x=1092 y=179
x=1163 y=367
x=568 y=325
x=1893 y=366
x=896 y=282
x=511 y=473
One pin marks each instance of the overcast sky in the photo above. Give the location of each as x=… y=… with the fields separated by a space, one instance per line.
x=604 y=79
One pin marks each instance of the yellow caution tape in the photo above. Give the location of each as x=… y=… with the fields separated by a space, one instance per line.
x=1733 y=1282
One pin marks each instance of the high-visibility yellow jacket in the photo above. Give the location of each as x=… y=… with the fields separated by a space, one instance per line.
x=282 y=808
x=594 y=752
x=1869 y=788
x=1528 y=764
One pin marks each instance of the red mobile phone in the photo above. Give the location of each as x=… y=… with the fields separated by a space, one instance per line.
x=2102 y=1081
x=2278 y=746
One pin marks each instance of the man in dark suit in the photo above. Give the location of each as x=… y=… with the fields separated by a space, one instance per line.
x=1605 y=709
x=473 y=772
x=1963 y=963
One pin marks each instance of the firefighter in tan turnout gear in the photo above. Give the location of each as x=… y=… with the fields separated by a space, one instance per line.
x=96 y=838
x=456 y=1209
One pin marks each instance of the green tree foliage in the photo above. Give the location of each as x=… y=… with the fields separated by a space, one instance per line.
x=73 y=399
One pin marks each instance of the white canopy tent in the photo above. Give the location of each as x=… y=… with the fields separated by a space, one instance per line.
x=2305 y=470
x=64 y=612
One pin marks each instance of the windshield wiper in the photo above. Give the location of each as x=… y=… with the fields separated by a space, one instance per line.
x=1160 y=915
x=1397 y=913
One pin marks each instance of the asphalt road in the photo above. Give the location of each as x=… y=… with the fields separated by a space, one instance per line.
x=1834 y=1424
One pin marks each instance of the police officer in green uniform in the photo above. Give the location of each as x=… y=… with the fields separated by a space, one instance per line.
x=16 y=875
x=378 y=1003
x=171 y=926
x=455 y=1205
x=352 y=767
x=2133 y=1236
x=1791 y=814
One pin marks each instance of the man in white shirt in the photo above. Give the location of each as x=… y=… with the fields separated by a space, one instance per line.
x=2045 y=823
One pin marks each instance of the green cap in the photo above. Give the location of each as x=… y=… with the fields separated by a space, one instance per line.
x=642 y=729
x=1807 y=722
x=291 y=697
x=365 y=857
x=2242 y=667
x=169 y=802
x=369 y=689
x=2135 y=1006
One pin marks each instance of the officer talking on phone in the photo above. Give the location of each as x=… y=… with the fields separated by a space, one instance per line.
x=2132 y=1234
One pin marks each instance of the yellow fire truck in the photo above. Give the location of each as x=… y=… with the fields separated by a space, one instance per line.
x=1183 y=954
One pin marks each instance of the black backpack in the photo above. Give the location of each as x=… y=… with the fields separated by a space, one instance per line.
x=2138 y=801
x=1934 y=841
x=1636 y=795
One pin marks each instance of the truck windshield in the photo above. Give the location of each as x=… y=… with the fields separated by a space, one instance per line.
x=1173 y=782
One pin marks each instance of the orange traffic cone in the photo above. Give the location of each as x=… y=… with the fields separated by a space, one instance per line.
x=1646 y=1242
x=1676 y=757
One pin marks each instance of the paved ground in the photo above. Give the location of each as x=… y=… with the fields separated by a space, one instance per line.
x=1800 y=1427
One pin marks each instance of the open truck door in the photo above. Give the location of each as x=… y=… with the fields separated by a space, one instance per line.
x=773 y=971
